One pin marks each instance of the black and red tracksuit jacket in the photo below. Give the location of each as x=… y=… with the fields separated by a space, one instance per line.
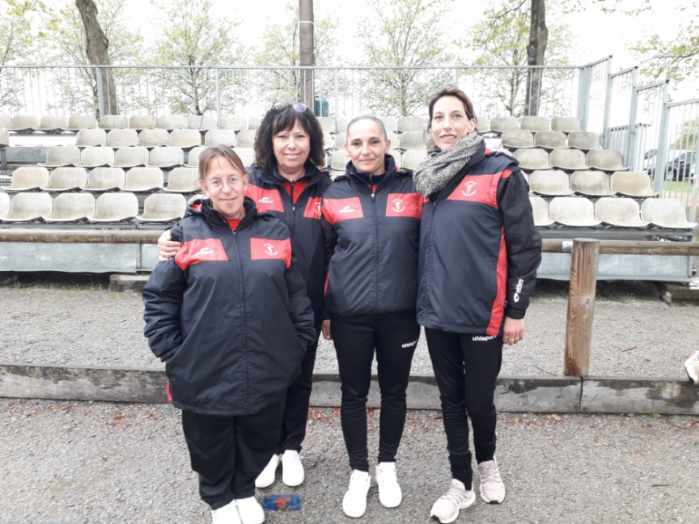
x=229 y=314
x=298 y=205
x=374 y=228
x=479 y=250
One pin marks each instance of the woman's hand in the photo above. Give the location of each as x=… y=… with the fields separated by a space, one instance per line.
x=167 y=248
x=513 y=331
x=325 y=328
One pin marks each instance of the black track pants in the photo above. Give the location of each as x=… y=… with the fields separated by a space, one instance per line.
x=394 y=337
x=298 y=397
x=466 y=368
x=229 y=452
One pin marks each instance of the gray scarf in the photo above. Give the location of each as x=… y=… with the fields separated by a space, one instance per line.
x=435 y=172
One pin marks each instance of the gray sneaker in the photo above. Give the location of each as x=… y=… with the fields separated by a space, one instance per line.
x=492 y=488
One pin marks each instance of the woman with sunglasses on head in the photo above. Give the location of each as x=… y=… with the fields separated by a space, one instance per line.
x=479 y=252
x=230 y=318
x=373 y=213
x=287 y=181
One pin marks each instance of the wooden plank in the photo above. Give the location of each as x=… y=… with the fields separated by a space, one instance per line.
x=581 y=304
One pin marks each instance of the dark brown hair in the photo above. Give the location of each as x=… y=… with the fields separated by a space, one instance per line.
x=208 y=155
x=282 y=118
x=456 y=93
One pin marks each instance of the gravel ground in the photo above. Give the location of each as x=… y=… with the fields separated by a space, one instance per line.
x=76 y=321
x=66 y=462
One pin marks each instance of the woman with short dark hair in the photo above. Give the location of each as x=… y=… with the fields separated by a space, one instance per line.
x=479 y=252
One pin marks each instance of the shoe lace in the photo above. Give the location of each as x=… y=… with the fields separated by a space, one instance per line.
x=490 y=472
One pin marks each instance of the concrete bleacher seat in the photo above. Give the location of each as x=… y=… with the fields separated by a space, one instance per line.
x=193 y=156
x=91 y=137
x=141 y=122
x=565 y=124
x=78 y=121
x=573 y=211
x=186 y=138
x=591 y=183
x=550 y=182
x=115 y=207
x=5 y=121
x=232 y=122
x=568 y=159
x=605 y=160
x=666 y=212
x=131 y=157
x=27 y=178
x=202 y=122
x=503 y=123
x=59 y=156
x=141 y=179
x=220 y=137
x=517 y=139
x=540 y=211
x=171 y=122
x=338 y=160
x=328 y=124
x=410 y=123
x=246 y=154
x=535 y=123
x=4 y=137
x=532 y=159
x=4 y=204
x=71 y=207
x=411 y=158
x=163 y=207
x=411 y=140
x=619 y=212
x=483 y=126
x=246 y=138
x=550 y=140
x=584 y=140
x=122 y=138
x=96 y=156
x=114 y=122
x=632 y=183
x=166 y=156
x=66 y=179
x=25 y=123
x=183 y=180
x=54 y=123
x=153 y=137
x=27 y=207
x=104 y=179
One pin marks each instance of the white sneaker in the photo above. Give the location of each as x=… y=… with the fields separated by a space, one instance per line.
x=227 y=514
x=292 y=468
x=390 y=494
x=446 y=508
x=491 y=488
x=691 y=365
x=266 y=478
x=250 y=511
x=354 y=501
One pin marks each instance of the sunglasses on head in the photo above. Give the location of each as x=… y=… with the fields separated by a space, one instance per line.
x=298 y=107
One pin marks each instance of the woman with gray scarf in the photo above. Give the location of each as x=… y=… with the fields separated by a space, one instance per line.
x=479 y=252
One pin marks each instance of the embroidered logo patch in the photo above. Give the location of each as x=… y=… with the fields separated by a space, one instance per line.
x=406 y=205
x=269 y=249
x=314 y=209
x=339 y=209
x=265 y=199
x=200 y=250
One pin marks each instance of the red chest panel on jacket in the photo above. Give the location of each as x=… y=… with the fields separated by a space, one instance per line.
x=268 y=249
x=200 y=250
x=265 y=199
x=339 y=209
x=478 y=188
x=313 y=208
x=405 y=205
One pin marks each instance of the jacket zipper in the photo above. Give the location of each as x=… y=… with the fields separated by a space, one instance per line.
x=376 y=243
x=239 y=260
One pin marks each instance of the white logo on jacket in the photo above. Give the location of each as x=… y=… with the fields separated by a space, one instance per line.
x=205 y=251
x=271 y=250
x=409 y=344
x=398 y=206
x=266 y=200
x=347 y=209
x=469 y=189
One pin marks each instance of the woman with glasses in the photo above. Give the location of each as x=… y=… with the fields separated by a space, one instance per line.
x=373 y=213
x=479 y=253
x=287 y=181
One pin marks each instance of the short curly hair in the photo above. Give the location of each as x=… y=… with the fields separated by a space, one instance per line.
x=282 y=118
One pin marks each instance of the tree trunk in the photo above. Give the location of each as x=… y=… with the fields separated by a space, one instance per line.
x=97 y=48
x=306 y=52
x=536 y=51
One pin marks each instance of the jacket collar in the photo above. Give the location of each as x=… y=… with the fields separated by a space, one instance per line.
x=311 y=175
x=364 y=179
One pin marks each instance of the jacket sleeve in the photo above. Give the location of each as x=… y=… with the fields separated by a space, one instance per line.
x=330 y=239
x=301 y=310
x=522 y=240
x=162 y=298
